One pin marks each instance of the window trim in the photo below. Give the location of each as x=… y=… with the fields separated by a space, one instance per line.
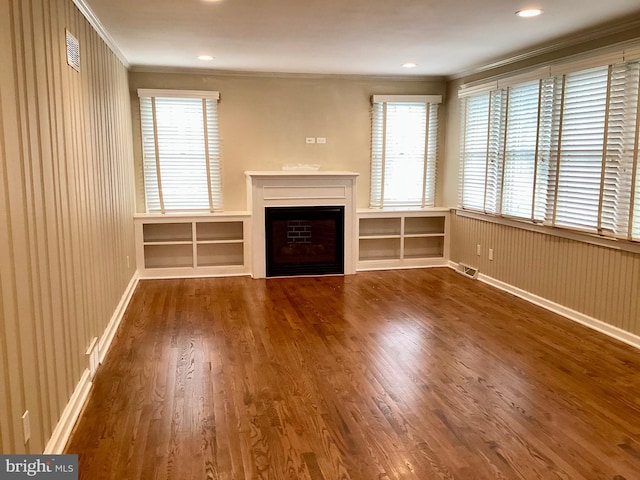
x=406 y=99
x=376 y=192
x=152 y=92
x=560 y=232
x=214 y=191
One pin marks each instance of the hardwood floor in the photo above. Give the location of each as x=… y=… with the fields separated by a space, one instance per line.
x=413 y=374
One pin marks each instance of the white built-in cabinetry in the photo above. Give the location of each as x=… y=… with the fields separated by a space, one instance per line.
x=194 y=245
x=390 y=239
x=222 y=244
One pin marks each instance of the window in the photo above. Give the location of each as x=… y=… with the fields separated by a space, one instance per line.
x=580 y=148
x=622 y=154
x=181 y=150
x=561 y=150
x=474 y=150
x=520 y=150
x=404 y=150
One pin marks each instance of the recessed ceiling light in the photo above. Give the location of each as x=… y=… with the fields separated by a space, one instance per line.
x=409 y=65
x=529 y=12
x=205 y=58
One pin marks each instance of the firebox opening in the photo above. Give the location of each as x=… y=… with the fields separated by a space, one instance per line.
x=304 y=240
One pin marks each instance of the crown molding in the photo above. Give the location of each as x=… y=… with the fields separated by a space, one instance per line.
x=586 y=38
x=290 y=75
x=95 y=22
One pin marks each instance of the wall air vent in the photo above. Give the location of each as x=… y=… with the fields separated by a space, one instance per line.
x=73 y=52
x=467 y=271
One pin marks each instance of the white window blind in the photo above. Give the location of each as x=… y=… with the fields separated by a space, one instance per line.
x=520 y=150
x=548 y=126
x=561 y=150
x=474 y=150
x=404 y=149
x=181 y=151
x=495 y=150
x=581 y=148
x=617 y=188
x=431 y=157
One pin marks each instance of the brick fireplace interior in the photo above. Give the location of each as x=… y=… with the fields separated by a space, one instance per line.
x=304 y=240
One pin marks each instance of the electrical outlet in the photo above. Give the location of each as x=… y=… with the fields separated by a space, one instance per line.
x=321 y=140
x=311 y=140
x=478 y=250
x=491 y=254
x=26 y=426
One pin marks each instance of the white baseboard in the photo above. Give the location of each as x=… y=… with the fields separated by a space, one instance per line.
x=74 y=407
x=593 y=323
x=70 y=414
x=110 y=332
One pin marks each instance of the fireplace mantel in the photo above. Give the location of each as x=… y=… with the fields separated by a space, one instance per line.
x=300 y=188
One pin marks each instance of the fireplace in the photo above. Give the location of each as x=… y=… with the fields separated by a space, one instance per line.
x=304 y=240
x=300 y=190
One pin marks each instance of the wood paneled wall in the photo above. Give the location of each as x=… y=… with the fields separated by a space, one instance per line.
x=66 y=207
x=598 y=281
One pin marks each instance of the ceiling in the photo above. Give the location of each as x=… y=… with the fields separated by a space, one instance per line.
x=367 y=37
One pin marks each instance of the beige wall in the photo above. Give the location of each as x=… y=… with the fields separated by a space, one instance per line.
x=450 y=159
x=264 y=121
x=66 y=205
x=598 y=281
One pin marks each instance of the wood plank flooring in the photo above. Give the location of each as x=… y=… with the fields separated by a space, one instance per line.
x=413 y=374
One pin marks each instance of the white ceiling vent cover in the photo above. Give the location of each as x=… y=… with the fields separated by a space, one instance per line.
x=73 y=52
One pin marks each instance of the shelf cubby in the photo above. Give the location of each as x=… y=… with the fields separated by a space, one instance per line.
x=219 y=231
x=380 y=227
x=166 y=232
x=220 y=254
x=424 y=226
x=379 y=248
x=423 y=247
x=168 y=256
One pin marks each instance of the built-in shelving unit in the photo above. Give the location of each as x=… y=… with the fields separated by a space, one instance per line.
x=172 y=246
x=402 y=238
x=195 y=245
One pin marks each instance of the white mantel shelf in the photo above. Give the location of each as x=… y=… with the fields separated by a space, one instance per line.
x=293 y=188
x=300 y=173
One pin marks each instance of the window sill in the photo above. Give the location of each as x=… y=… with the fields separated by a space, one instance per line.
x=187 y=215
x=403 y=209
x=616 y=244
